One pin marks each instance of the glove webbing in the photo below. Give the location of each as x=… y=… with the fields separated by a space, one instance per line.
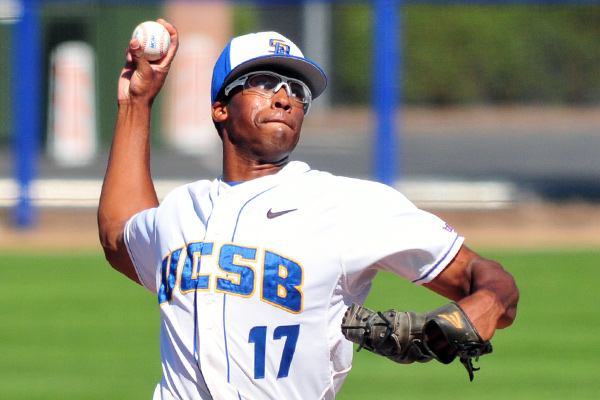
x=389 y=329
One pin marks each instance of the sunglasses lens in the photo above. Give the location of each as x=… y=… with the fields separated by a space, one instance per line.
x=299 y=92
x=263 y=81
x=268 y=82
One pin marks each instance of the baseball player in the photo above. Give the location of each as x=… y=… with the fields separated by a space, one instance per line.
x=260 y=273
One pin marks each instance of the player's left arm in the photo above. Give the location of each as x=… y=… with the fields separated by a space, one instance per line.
x=484 y=298
x=485 y=291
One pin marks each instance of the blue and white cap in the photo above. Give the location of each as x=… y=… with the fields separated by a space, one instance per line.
x=265 y=51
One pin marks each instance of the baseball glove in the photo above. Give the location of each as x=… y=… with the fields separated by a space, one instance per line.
x=449 y=333
x=392 y=334
x=406 y=337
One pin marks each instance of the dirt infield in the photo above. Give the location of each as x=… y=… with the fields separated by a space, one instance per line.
x=521 y=226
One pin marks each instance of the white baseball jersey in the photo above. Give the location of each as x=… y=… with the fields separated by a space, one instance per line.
x=253 y=279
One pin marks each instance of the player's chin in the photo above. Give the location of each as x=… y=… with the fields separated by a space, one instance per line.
x=280 y=134
x=276 y=152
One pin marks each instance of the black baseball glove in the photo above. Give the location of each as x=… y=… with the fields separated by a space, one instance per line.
x=449 y=333
x=406 y=337
x=392 y=334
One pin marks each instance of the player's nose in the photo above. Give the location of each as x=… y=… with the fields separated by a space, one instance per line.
x=281 y=98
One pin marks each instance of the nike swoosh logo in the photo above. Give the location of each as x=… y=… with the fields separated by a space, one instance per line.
x=271 y=214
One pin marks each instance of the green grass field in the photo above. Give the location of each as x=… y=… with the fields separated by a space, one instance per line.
x=74 y=329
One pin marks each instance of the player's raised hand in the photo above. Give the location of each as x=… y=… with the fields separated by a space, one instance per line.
x=140 y=79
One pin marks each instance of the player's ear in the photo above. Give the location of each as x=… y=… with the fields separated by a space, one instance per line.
x=219 y=111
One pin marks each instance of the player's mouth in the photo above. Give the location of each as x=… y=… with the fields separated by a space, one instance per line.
x=279 y=120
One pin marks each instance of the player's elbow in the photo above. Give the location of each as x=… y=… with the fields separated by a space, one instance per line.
x=109 y=241
x=117 y=255
x=110 y=234
x=111 y=250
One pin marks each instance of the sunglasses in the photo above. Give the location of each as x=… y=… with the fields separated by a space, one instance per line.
x=266 y=84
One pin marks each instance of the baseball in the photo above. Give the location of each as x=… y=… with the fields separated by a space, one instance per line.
x=154 y=38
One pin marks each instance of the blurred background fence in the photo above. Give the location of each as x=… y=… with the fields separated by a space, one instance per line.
x=499 y=96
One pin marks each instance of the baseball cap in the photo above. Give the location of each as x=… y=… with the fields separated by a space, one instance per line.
x=265 y=51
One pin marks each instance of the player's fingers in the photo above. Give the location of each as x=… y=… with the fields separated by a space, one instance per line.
x=139 y=61
x=135 y=51
x=138 y=78
x=174 y=41
x=169 y=27
x=128 y=71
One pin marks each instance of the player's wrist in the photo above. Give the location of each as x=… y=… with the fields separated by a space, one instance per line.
x=135 y=105
x=485 y=310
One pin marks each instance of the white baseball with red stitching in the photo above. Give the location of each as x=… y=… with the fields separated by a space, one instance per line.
x=154 y=38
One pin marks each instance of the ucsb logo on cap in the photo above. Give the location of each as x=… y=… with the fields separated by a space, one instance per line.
x=279 y=46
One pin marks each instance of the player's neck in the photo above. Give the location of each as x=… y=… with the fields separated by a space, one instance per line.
x=249 y=170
